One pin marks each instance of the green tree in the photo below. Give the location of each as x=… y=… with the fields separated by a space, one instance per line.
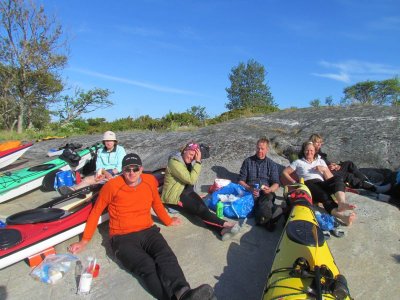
x=315 y=103
x=31 y=54
x=388 y=92
x=373 y=92
x=360 y=93
x=199 y=112
x=247 y=86
x=82 y=103
x=329 y=101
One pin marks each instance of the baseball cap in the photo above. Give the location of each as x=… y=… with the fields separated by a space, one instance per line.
x=131 y=159
x=109 y=136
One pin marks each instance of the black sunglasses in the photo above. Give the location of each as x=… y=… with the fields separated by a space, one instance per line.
x=133 y=169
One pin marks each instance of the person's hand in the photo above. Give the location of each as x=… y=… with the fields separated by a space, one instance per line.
x=175 y=221
x=334 y=167
x=256 y=192
x=321 y=169
x=107 y=175
x=197 y=155
x=100 y=177
x=77 y=247
x=266 y=189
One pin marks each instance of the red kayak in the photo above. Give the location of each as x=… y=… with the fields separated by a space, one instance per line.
x=32 y=231
x=7 y=157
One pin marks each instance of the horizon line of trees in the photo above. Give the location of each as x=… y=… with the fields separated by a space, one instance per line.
x=34 y=50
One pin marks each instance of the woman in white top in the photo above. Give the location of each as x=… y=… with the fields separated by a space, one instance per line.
x=322 y=184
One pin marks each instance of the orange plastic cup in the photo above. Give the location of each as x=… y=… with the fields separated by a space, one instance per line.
x=96 y=271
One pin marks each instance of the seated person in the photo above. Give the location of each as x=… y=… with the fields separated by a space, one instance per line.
x=135 y=240
x=351 y=175
x=393 y=195
x=321 y=183
x=108 y=164
x=182 y=173
x=261 y=170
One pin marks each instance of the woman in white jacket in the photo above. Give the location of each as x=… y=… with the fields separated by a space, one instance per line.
x=108 y=164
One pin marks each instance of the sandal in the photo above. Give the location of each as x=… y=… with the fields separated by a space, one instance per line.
x=337 y=232
x=327 y=235
x=231 y=232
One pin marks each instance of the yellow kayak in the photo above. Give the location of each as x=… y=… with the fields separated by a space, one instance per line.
x=302 y=270
x=53 y=137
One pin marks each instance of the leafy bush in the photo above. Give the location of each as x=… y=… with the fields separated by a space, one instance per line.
x=243 y=112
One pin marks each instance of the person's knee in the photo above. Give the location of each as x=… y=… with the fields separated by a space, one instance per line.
x=143 y=267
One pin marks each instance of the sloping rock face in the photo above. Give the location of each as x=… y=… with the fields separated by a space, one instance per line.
x=238 y=269
x=366 y=135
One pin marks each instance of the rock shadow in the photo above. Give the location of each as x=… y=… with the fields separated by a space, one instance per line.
x=222 y=172
x=3 y=292
x=249 y=261
x=396 y=257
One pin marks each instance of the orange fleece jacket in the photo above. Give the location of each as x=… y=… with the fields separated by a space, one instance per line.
x=128 y=207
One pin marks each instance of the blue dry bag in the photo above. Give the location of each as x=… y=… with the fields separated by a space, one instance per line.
x=64 y=178
x=238 y=202
x=326 y=222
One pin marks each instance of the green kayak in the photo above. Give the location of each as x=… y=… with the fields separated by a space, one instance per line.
x=21 y=181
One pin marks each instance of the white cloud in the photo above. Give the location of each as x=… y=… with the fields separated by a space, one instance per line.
x=351 y=70
x=339 y=77
x=145 y=85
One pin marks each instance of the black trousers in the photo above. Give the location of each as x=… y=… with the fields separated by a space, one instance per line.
x=191 y=203
x=264 y=207
x=321 y=191
x=351 y=174
x=147 y=255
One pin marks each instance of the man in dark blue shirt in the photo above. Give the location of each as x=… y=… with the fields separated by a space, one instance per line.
x=259 y=175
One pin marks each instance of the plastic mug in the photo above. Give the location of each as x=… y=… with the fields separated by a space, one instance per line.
x=96 y=271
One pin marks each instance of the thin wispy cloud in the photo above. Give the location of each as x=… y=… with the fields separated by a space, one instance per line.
x=351 y=70
x=343 y=77
x=301 y=27
x=145 y=85
x=386 y=23
x=140 y=31
x=189 y=33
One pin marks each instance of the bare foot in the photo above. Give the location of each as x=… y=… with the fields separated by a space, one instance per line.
x=347 y=219
x=227 y=227
x=230 y=228
x=342 y=206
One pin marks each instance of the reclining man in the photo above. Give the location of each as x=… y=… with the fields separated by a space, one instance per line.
x=135 y=240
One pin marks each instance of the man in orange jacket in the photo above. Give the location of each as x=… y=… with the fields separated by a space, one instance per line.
x=135 y=240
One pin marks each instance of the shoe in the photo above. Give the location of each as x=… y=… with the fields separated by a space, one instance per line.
x=369 y=186
x=202 y=292
x=337 y=232
x=383 y=188
x=172 y=211
x=383 y=197
x=231 y=233
x=65 y=190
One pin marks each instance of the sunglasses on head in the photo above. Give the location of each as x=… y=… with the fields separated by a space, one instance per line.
x=129 y=169
x=192 y=146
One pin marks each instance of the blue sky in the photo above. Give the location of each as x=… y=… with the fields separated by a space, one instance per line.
x=160 y=56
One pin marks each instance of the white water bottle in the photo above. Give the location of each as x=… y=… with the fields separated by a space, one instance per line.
x=85 y=283
x=86 y=278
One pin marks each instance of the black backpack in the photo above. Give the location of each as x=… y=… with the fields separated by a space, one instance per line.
x=71 y=157
x=90 y=166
